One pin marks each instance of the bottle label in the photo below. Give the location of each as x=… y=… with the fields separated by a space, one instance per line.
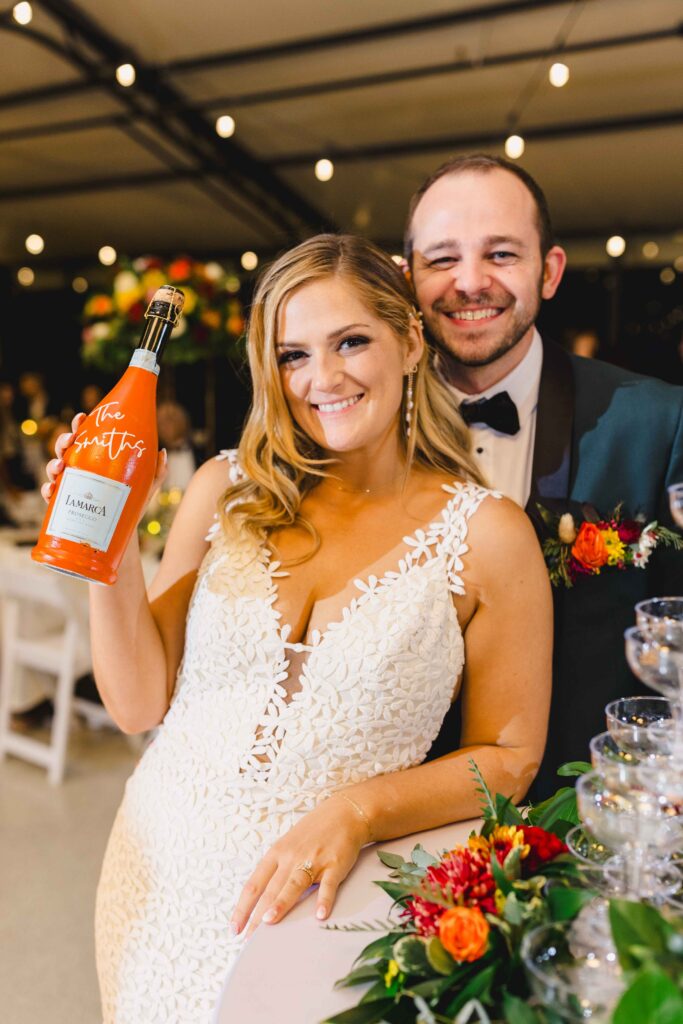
x=87 y=508
x=145 y=359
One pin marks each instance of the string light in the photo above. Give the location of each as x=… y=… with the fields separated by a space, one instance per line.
x=249 y=260
x=678 y=264
x=225 y=126
x=558 y=75
x=324 y=169
x=667 y=275
x=80 y=285
x=22 y=13
x=650 y=250
x=107 y=255
x=29 y=427
x=615 y=246
x=514 y=146
x=125 y=75
x=25 y=276
x=35 y=244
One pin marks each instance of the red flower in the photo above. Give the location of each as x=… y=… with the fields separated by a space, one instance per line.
x=589 y=547
x=629 y=531
x=136 y=312
x=465 y=876
x=543 y=846
x=180 y=269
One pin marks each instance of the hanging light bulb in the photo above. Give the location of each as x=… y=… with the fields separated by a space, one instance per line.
x=514 y=146
x=25 y=277
x=107 y=255
x=80 y=285
x=558 y=75
x=615 y=246
x=22 y=13
x=324 y=169
x=650 y=250
x=249 y=260
x=225 y=126
x=35 y=244
x=125 y=75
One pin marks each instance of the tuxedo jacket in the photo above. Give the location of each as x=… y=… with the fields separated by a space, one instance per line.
x=604 y=436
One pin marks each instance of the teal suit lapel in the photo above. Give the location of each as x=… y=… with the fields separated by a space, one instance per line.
x=552 y=462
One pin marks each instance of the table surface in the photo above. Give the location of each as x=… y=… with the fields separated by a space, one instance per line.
x=287 y=971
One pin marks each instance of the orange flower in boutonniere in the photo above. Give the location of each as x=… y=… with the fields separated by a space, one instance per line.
x=589 y=547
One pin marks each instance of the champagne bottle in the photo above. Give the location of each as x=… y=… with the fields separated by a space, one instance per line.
x=109 y=468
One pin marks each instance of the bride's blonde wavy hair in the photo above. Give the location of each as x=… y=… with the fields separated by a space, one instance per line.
x=280 y=462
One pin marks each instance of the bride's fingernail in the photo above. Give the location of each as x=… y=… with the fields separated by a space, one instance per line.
x=233 y=929
x=321 y=913
x=270 y=915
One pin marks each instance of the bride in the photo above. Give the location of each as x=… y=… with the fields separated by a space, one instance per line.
x=326 y=592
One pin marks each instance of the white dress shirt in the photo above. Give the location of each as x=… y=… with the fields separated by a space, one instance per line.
x=506 y=460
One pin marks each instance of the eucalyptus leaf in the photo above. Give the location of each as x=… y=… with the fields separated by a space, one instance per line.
x=358 y=976
x=422 y=858
x=391 y=860
x=380 y=947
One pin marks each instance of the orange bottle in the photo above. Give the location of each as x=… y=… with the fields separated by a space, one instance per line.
x=109 y=468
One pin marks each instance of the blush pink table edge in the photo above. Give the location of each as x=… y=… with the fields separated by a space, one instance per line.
x=286 y=972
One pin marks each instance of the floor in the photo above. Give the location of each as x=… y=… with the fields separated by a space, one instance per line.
x=52 y=840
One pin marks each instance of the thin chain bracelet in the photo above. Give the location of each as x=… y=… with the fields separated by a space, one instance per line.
x=359 y=810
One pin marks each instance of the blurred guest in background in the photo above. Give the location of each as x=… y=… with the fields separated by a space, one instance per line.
x=583 y=343
x=32 y=401
x=91 y=395
x=548 y=428
x=173 y=424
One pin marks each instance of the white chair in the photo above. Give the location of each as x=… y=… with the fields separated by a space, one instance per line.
x=59 y=647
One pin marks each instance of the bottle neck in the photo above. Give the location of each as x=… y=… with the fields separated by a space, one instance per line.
x=155 y=335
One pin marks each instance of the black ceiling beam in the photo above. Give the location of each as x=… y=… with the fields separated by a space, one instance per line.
x=490 y=138
x=287 y=49
x=187 y=129
x=539 y=133
x=285 y=93
x=354 y=37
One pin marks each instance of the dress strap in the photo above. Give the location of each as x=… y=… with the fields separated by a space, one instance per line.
x=466 y=499
x=235 y=471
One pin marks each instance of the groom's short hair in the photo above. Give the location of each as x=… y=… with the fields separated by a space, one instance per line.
x=482 y=163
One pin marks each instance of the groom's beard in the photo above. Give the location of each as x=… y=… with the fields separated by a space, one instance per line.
x=477 y=348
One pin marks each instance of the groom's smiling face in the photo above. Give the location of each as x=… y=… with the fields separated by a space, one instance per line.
x=477 y=267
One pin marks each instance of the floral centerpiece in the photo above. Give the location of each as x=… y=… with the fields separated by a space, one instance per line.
x=454 y=946
x=212 y=323
x=575 y=549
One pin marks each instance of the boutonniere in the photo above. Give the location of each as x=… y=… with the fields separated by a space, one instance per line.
x=585 y=547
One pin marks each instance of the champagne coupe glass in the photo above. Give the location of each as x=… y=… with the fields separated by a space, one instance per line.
x=676 y=503
x=657 y=660
x=580 y=980
x=641 y=725
x=634 y=821
x=662 y=616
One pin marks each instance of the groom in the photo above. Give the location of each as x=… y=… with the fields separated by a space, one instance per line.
x=547 y=427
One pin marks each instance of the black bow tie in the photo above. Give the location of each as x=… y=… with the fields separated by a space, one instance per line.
x=498 y=412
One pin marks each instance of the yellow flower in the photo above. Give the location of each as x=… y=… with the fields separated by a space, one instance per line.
x=190 y=300
x=499 y=897
x=391 y=973
x=614 y=546
x=503 y=837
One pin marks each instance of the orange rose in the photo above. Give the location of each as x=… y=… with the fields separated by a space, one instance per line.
x=589 y=547
x=464 y=932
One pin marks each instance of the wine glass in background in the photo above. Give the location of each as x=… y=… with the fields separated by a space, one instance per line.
x=676 y=503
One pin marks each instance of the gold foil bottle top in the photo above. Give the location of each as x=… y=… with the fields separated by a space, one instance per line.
x=167 y=304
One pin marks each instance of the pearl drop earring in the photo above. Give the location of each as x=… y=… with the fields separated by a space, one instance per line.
x=410 y=404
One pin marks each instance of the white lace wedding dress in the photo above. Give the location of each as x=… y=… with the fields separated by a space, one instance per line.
x=240 y=758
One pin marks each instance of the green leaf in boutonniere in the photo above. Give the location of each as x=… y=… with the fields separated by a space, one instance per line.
x=573 y=768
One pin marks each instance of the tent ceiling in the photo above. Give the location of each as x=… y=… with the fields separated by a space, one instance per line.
x=385 y=88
